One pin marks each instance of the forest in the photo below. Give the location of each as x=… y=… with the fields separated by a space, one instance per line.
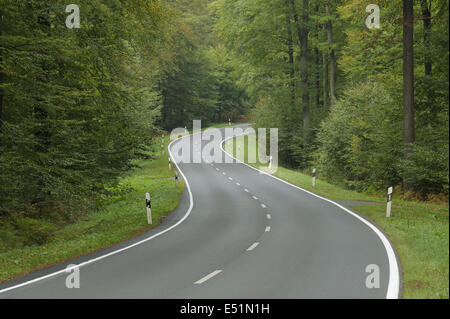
x=77 y=106
x=368 y=108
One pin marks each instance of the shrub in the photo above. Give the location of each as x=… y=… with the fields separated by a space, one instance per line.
x=34 y=231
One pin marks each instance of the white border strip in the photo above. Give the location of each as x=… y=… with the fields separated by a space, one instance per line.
x=125 y=248
x=394 y=271
x=214 y=273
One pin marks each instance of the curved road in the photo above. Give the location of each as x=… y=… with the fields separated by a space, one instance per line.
x=236 y=234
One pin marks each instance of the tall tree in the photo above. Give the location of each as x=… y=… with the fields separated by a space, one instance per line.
x=303 y=33
x=290 y=45
x=325 y=78
x=317 y=65
x=408 y=81
x=332 y=58
x=1 y=77
x=426 y=16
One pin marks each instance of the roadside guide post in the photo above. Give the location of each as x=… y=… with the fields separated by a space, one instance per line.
x=314 y=177
x=389 y=202
x=148 y=204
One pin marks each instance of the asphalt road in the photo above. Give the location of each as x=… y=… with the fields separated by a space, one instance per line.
x=236 y=234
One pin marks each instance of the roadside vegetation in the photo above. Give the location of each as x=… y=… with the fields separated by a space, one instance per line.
x=81 y=108
x=419 y=231
x=368 y=107
x=29 y=244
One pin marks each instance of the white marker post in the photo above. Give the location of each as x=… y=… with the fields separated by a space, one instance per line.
x=270 y=162
x=389 y=202
x=314 y=177
x=148 y=203
x=229 y=122
x=170 y=163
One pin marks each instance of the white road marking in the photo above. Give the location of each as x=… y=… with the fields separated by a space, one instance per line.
x=269 y=216
x=252 y=246
x=263 y=206
x=217 y=169
x=224 y=173
x=393 y=289
x=230 y=178
x=238 y=184
x=255 y=198
x=62 y=271
x=246 y=190
x=214 y=273
x=267 y=229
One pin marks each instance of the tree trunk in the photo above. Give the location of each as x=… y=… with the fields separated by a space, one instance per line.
x=408 y=81
x=290 y=45
x=303 y=32
x=317 y=62
x=325 y=78
x=426 y=13
x=1 y=79
x=317 y=76
x=329 y=27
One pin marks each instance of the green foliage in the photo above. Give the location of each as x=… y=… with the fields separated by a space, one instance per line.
x=200 y=85
x=111 y=224
x=360 y=142
x=34 y=231
x=77 y=103
x=357 y=142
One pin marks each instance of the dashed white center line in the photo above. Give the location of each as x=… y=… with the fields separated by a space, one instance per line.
x=263 y=206
x=246 y=190
x=230 y=178
x=238 y=184
x=214 y=273
x=217 y=169
x=224 y=173
x=255 y=198
x=267 y=229
x=269 y=216
x=252 y=246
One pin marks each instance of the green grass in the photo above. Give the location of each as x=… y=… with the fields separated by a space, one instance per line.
x=418 y=231
x=421 y=238
x=122 y=218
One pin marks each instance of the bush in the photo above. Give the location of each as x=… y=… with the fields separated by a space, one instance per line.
x=360 y=143
x=33 y=231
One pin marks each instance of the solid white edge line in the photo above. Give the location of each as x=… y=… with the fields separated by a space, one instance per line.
x=125 y=248
x=393 y=289
x=252 y=246
x=207 y=277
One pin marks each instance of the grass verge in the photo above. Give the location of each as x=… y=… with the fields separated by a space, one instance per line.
x=122 y=218
x=418 y=231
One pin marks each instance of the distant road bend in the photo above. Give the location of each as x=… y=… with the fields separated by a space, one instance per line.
x=236 y=234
